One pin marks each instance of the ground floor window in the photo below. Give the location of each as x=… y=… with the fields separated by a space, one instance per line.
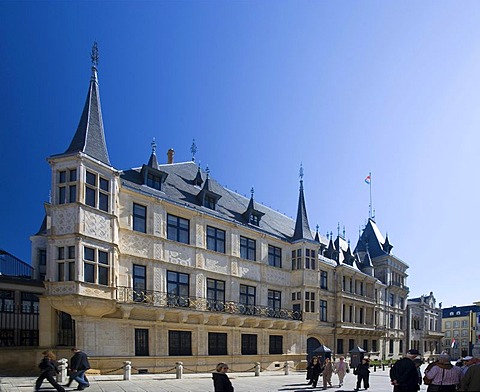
x=217 y=343
x=351 y=344
x=141 y=342
x=179 y=343
x=374 y=345
x=275 y=344
x=340 y=346
x=249 y=344
x=7 y=337
x=390 y=348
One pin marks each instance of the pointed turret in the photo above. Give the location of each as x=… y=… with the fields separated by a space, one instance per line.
x=252 y=215
x=90 y=137
x=207 y=197
x=302 y=228
x=153 y=162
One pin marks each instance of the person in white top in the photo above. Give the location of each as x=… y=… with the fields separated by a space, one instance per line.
x=443 y=375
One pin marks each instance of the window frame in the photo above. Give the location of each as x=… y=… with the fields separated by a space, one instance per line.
x=139 y=218
x=248 y=248
x=274 y=256
x=179 y=343
x=178 y=229
x=215 y=241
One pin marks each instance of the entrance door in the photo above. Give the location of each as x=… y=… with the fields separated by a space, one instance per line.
x=312 y=344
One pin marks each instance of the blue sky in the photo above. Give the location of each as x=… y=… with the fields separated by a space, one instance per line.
x=343 y=87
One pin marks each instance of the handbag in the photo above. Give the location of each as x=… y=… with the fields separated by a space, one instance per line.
x=426 y=380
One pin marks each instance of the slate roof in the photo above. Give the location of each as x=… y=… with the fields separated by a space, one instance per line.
x=179 y=188
x=89 y=137
x=372 y=242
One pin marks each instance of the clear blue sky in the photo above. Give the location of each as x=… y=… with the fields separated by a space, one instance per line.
x=345 y=87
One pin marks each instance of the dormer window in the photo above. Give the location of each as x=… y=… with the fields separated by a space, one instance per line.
x=209 y=202
x=154 y=181
x=254 y=219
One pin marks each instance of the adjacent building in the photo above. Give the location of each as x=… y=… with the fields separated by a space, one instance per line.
x=424 y=332
x=160 y=263
x=461 y=327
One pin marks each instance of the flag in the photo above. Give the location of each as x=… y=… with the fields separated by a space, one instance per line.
x=367 y=179
x=453 y=343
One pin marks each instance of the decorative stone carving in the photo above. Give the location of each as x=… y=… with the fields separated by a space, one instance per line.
x=277 y=276
x=136 y=244
x=97 y=225
x=249 y=270
x=63 y=220
x=179 y=255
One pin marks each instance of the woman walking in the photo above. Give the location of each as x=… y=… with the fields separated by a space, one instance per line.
x=49 y=371
x=221 y=382
x=327 y=373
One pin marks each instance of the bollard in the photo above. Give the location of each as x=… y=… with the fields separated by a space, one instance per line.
x=63 y=367
x=257 y=369
x=286 y=368
x=383 y=366
x=127 y=370
x=375 y=367
x=179 y=367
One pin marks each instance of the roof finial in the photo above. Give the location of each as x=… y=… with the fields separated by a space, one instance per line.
x=94 y=54
x=317 y=227
x=193 y=150
x=301 y=171
x=154 y=146
x=252 y=191
x=207 y=170
x=338 y=229
x=343 y=231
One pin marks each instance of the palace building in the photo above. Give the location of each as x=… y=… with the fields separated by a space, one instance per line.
x=160 y=263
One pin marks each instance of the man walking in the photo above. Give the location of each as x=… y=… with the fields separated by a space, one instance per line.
x=78 y=366
x=404 y=374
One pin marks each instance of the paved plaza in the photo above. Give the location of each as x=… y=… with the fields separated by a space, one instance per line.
x=268 y=381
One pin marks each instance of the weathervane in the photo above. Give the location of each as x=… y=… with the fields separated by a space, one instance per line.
x=301 y=171
x=94 y=54
x=193 y=150
x=252 y=191
x=154 y=146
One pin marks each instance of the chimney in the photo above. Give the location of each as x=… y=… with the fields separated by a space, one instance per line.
x=170 y=154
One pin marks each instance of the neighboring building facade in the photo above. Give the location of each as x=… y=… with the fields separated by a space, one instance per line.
x=460 y=324
x=424 y=325
x=19 y=303
x=163 y=264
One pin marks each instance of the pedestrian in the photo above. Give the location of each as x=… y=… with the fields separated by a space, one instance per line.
x=309 y=371
x=315 y=371
x=78 y=366
x=327 y=373
x=443 y=376
x=363 y=374
x=221 y=382
x=341 y=368
x=467 y=362
x=49 y=371
x=404 y=374
x=471 y=380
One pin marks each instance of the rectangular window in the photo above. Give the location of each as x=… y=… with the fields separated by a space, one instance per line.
x=365 y=344
x=215 y=239
x=390 y=347
x=247 y=248
x=96 y=266
x=296 y=259
x=324 y=280
x=139 y=282
x=7 y=301
x=30 y=303
x=90 y=189
x=7 y=337
x=154 y=181
x=274 y=299
x=309 y=301
x=67 y=190
x=392 y=300
x=274 y=256
x=216 y=294
x=42 y=257
x=178 y=229
x=178 y=289
x=351 y=344
x=310 y=261
x=392 y=321
x=179 y=343
x=141 y=342
x=374 y=345
x=340 y=346
x=249 y=344
x=139 y=218
x=217 y=343
x=323 y=310
x=400 y=348
x=247 y=299
x=275 y=344
x=28 y=337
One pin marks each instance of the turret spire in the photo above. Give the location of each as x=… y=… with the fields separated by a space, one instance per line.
x=90 y=137
x=302 y=228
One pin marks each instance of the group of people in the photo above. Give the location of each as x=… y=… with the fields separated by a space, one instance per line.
x=316 y=368
x=49 y=369
x=440 y=376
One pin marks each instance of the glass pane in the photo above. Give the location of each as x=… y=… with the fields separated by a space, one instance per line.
x=102 y=257
x=91 y=179
x=89 y=273
x=103 y=276
x=89 y=254
x=104 y=184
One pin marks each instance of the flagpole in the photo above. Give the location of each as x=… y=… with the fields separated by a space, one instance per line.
x=370 y=185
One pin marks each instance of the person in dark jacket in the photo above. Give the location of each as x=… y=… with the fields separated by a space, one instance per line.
x=404 y=373
x=78 y=366
x=221 y=382
x=363 y=373
x=316 y=369
x=49 y=371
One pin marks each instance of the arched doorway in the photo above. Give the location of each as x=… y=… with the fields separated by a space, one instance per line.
x=312 y=344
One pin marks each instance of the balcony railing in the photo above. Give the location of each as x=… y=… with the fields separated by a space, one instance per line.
x=166 y=300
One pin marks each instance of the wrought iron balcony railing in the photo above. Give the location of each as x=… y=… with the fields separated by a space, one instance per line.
x=166 y=300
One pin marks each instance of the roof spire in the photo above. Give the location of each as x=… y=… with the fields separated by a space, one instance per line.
x=90 y=137
x=193 y=150
x=153 y=162
x=302 y=228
